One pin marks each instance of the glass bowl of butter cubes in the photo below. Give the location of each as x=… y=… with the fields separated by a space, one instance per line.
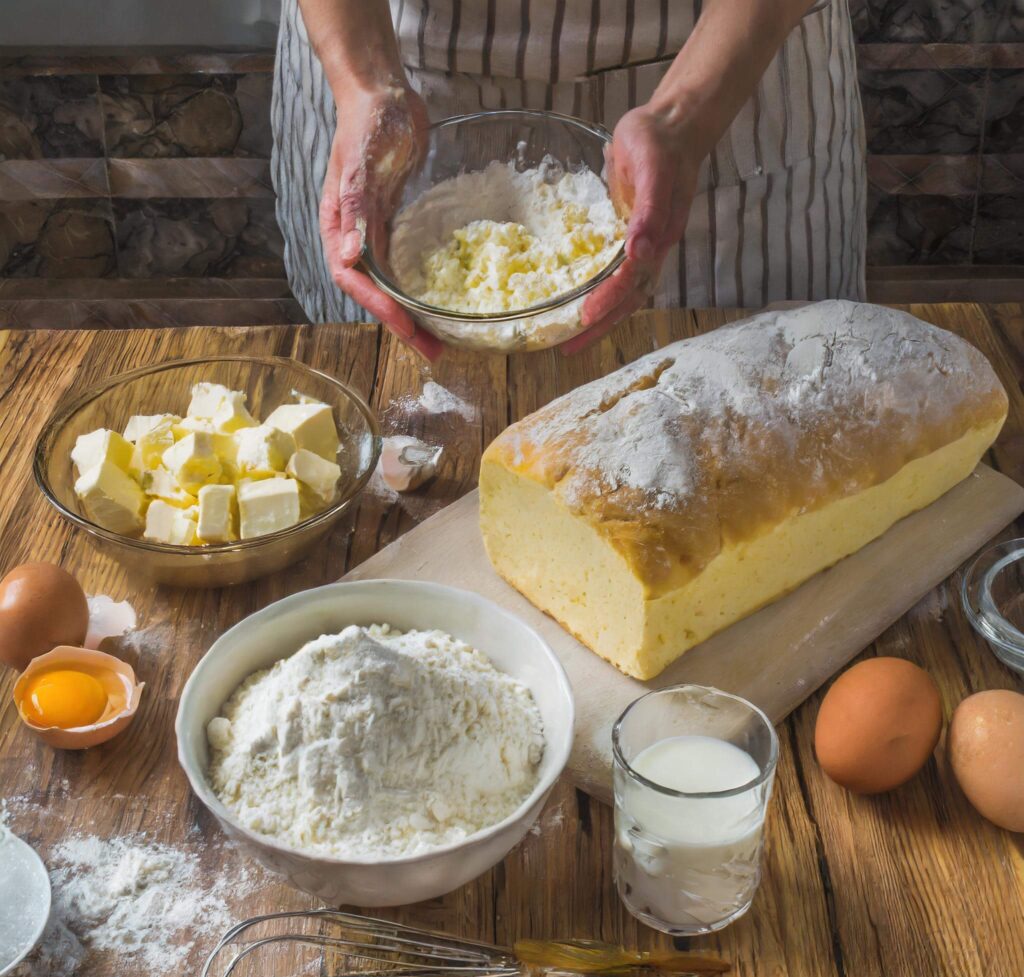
x=207 y=473
x=503 y=230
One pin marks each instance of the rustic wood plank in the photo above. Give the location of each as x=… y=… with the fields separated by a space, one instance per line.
x=913 y=883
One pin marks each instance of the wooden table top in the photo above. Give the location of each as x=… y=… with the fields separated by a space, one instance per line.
x=911 y=883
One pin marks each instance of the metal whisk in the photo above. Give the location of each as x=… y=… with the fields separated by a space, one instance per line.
x=338 y=943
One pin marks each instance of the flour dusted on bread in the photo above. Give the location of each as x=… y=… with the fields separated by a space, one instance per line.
x=710 y=439
x=654 y=507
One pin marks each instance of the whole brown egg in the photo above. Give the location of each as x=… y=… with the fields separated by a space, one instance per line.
x=878 y=724
x=986 y=751
x=41 y=607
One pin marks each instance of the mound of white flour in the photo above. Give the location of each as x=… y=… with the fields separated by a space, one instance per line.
x=375 y=743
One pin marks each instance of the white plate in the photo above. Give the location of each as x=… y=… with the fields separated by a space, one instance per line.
x=24 y=900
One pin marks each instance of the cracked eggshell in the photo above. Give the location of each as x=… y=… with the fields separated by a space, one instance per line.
x=406 y=462
x=118 y=678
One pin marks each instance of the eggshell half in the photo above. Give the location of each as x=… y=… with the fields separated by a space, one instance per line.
x=81 y=737
x=878 y=724
x=985 y=745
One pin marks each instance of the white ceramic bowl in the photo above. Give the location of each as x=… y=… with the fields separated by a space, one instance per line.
x=281 y=629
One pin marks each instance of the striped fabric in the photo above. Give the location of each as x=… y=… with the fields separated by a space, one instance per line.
x=780 y=209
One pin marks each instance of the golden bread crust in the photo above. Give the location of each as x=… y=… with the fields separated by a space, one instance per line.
x=712 y=440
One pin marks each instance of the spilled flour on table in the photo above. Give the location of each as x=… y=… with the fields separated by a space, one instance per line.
x=440 y=400
x=157 y=639
x=144 y=902
x=435 y=399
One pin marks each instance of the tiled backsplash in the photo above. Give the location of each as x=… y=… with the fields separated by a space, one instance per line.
x=152 y=166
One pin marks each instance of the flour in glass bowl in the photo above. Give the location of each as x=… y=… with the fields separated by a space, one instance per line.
x=374 y=743
x=501 y=240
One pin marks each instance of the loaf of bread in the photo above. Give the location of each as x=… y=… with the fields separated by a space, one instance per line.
x=654 y=507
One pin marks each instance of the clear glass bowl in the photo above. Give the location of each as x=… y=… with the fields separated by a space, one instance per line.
x=465 y=144
x=992 y=592
x=268 y=381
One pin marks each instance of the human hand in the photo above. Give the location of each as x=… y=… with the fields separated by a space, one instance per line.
x=379 y=139
x=652 y=176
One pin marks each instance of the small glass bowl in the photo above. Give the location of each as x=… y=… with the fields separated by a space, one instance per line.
x=267 y=381
x=992 y=592
x=467 y=143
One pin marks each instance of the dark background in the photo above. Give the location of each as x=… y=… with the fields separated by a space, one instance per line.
x=135 y=189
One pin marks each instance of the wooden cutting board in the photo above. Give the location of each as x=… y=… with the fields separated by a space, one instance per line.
x=776 y=657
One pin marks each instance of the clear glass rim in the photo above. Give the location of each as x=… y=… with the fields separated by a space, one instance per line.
x=765 y=773
x=383 y=281
x=70 y=405
x=980 y=605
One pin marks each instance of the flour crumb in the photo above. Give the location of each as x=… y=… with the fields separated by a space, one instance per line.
x=552 y=819
x=144 y=903
x=433 y=399
x=436 y=399
x=148 y=642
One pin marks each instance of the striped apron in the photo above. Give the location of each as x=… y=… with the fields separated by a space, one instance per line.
x=780 y=205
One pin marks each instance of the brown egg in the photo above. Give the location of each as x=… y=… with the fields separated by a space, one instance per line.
x=986 y=751
x=878 y=725
x=41 y=606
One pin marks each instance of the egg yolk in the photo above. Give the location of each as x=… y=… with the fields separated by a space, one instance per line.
x=65 y=698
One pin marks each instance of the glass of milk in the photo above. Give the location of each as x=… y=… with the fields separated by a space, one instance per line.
x=694 y=768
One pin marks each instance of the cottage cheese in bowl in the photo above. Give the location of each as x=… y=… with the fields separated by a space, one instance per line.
x=376 y=743
x=506 y=239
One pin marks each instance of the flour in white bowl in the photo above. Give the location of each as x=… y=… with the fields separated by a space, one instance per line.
x=374 y=743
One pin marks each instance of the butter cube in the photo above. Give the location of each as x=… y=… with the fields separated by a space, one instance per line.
x=206 y=398
x=111 y=498
x=193 y=462
x=317 y=476
x=223 y=409
x=232 y=413
x=161 y=484
x=141 y=424
x=216 y=513
x=312 y=426
x=262 y=451
x=170 y=524
x=189 y=425
x=151 y=442
x=267 y=506
x=102 y=445
x=226 y=449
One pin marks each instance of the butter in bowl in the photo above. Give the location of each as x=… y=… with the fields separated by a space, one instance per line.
x=208 y=472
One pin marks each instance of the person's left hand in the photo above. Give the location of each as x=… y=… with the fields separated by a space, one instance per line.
x=653 y=176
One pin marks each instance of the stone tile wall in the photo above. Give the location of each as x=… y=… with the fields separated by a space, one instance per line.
x=152 y=166
x=943 y=88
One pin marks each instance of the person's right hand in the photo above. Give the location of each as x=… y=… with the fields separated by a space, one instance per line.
x=379 y=139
